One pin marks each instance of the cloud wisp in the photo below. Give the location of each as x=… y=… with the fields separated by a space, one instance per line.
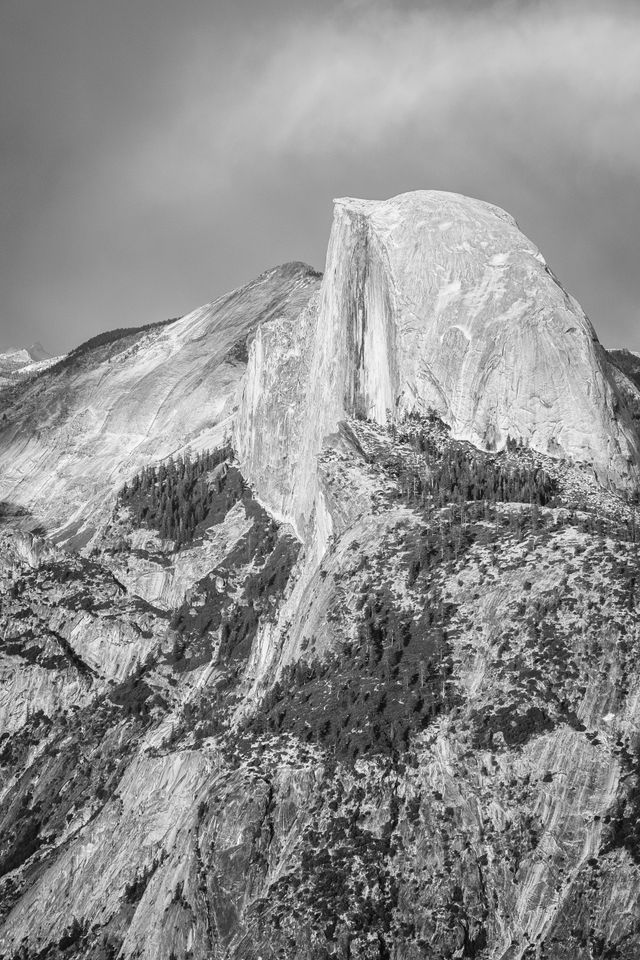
x=232 y=148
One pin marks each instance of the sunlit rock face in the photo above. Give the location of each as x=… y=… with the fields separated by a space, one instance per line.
x=76 y=433
x=430 y=300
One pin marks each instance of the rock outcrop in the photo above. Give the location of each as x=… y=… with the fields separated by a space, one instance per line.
x=166 y=579
x=430 y=300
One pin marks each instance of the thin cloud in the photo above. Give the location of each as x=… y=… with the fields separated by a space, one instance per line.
x=533 y=76
x=237 y=134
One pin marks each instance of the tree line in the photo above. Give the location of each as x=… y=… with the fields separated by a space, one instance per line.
x=458 y=473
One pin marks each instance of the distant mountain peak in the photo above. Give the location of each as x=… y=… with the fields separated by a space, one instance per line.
x=20 y=356
x=37 y=352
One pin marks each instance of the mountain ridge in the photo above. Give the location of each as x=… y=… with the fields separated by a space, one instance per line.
x=138 y=395
x=294 y=664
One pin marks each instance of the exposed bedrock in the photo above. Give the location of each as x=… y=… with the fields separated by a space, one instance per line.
x=76 y=433
x=429 y=300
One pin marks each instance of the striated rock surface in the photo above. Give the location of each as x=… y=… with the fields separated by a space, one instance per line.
x=67 y=627
x=74 y=434
x=165 y=579
x=430 y=300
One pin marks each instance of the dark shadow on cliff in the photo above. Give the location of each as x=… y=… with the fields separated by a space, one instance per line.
x=16 y=516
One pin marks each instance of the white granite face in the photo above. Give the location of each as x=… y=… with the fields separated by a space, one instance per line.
x=430 y=300
x=75 y=437
x=481 y=329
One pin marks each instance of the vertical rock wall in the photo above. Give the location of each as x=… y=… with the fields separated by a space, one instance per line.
x=429 y=300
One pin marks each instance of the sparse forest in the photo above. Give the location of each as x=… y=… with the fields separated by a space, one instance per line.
x=442 y=471
x=103 y=340
x=371 y=697
x=184 y=496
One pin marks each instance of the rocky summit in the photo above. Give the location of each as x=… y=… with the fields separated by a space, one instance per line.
x=17 y=364
x=320 y=617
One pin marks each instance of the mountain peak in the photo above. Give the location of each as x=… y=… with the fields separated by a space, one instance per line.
x=432 y=301
x=21 y=356
x=37 y=352
x=424 y=203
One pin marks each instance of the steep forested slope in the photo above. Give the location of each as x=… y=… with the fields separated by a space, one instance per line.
x=440 y=758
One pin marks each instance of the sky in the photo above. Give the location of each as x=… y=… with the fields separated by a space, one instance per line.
x=154 y=154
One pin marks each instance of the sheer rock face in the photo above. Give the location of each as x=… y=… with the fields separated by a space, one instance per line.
x=74 y=435
x=67 y=628
x=166 y=584
x=430 y=300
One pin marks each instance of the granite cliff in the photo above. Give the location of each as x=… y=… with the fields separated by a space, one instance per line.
x=430 y=301
x=320 y=618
